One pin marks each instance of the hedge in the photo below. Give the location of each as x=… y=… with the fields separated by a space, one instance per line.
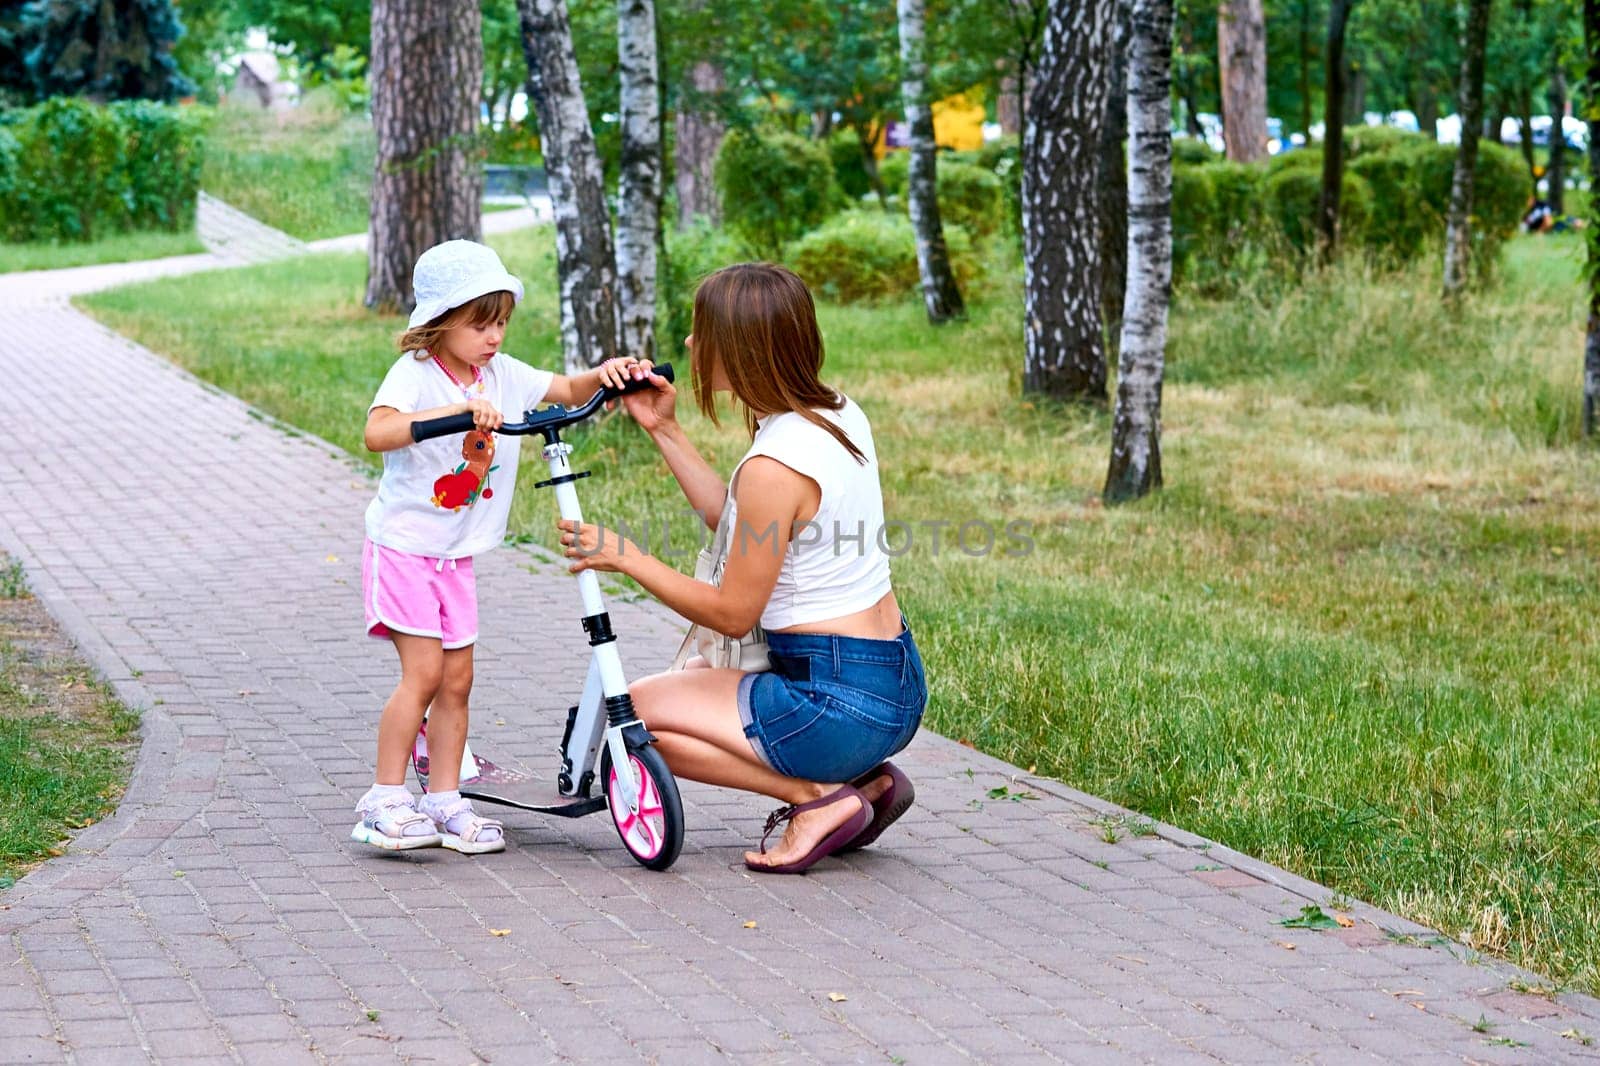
x=871 y=255
x=72 y=170
x=774 y=187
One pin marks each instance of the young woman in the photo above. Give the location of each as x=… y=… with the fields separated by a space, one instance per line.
x=846 y=689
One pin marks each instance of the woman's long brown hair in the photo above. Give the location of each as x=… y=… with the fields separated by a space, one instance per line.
x=757 y=321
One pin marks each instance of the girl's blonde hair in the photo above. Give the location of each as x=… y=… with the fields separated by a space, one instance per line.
x=490 y=307
x=757 y=321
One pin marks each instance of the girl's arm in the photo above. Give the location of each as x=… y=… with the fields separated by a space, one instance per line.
x=577 y=388
x=657 y=414
x=771 y=498
x=388 y=428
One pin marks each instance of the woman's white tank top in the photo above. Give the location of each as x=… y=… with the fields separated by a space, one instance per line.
x=835 y=565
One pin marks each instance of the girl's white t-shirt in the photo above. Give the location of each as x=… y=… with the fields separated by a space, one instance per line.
x=450 y=497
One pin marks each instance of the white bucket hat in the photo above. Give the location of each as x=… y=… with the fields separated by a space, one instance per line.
x=456 y=272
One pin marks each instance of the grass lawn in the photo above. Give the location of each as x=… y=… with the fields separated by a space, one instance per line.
x=121 y=248
x=1355 y=635
x=65 y=742
x=306 y=171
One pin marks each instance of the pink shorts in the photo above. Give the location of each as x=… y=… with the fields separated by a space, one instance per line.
x=420 y=595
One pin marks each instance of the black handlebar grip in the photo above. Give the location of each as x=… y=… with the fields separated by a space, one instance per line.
x=664 y=370
x=429 y=428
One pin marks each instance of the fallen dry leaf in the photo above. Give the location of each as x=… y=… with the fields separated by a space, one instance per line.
x=1343 y=921
x=837 y=997
x=1285 y=945
x=499 y=932
x=749 y=925
x=332 y=559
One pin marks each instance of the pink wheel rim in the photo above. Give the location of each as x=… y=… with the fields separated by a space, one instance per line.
x=644 y=833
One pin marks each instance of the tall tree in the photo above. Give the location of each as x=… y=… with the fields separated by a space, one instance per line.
x=940 y=295
x=1458 y=234
x=697 y=135
x=103 y=49
x=1333 y=124
x=1556 y=172
x=427 y=187
x=1114 y=182
x=1064 y=345
x=1242 y=63
x=1136 y=426
x=577 y=186
x=1591 y=347
x=639 y=204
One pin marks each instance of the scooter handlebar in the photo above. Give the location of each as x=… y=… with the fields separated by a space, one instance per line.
x=553 y=417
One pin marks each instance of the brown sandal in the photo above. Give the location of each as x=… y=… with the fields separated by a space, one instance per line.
x=829 y=844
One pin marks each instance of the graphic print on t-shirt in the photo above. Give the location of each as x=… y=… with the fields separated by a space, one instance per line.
x=463 y=485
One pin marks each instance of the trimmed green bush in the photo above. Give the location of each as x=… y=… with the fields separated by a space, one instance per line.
x=1362 y=141
x=871 y=255
x=970 y=197
x=72 y=170
x=1191 y=150
x=849 y=164
x=1192 y=198
x=1292 y=199
x=691 y=254
x=894 y=170
x=774 y=187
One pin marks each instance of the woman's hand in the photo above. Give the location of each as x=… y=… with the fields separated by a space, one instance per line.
x=654 y=409
x=594 y=547
x=484 y=415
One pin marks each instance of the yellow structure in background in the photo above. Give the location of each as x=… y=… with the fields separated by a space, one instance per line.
x=957 y=125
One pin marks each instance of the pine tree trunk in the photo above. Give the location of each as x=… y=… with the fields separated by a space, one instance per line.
x=1064 y=345
x=1333 y=130
x=577 y=187
x=639 y=203
x=1591 y=347
x=1242 y=71
x=427 y=187
x=1136 y=426
x=940 y=295
x=1114 y=185
x=699 y=135
x=1556 y=172
x=1458 y=232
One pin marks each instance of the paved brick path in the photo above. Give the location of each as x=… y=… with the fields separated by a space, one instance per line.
x=222 y=915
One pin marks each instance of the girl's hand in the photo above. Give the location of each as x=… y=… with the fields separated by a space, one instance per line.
x=616 y=373
x=484 y=416
x=654 y=409
x=594 y=547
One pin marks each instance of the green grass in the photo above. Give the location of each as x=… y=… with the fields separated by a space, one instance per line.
x=306 y=171
x=65 y=741
x=122 y=248
x=1354 y=636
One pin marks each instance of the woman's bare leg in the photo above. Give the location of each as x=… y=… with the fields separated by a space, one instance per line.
x=695 y=718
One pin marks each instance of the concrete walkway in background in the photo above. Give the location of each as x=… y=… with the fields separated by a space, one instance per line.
x=206 y=561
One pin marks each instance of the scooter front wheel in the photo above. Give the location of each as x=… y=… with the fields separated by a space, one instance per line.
x=653 y=835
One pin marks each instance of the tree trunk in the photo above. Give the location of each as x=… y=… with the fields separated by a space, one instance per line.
x=867 y=138
x=1008 y=106
x=427 y=186
x=1333 y=132
x=1355 y=98
x=1427 y=109
x=940 y=295
x=639 y=202
x=1114 y=184
x=1525 y=120
x=577 y=187
x=1556 y=172
x=699 y=135
x=1064 y=345
x=1458 y=233
x=1136 y=426
x=1305 y=69
x=1591 y=347
x=1242 y=73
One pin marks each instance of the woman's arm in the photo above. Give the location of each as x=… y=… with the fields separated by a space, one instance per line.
x=578 y=388
x=771 y=499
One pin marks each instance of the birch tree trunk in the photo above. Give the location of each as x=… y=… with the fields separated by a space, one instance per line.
x=1458 y=229
x=940 y=295
x=1333 y=126
x=699 y=134
x=1064 y=345
x=1136 y=426
x=427 y=186
x=577 y=187
x=1114 y=185
x=639 y=206
x=1591 y=347
x=1242 y=71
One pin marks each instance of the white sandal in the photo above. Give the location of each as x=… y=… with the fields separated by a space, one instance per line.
x=394 y=824
x=469 y=839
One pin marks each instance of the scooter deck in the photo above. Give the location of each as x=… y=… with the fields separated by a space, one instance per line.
x=484 y=780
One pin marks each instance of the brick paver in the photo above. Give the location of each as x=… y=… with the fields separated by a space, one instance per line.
x=206 y=561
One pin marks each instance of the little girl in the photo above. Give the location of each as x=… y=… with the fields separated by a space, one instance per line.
x=439 y=504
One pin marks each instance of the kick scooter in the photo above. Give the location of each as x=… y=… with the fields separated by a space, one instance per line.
x=602 y=730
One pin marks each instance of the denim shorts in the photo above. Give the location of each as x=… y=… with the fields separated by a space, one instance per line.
x=832 y=708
